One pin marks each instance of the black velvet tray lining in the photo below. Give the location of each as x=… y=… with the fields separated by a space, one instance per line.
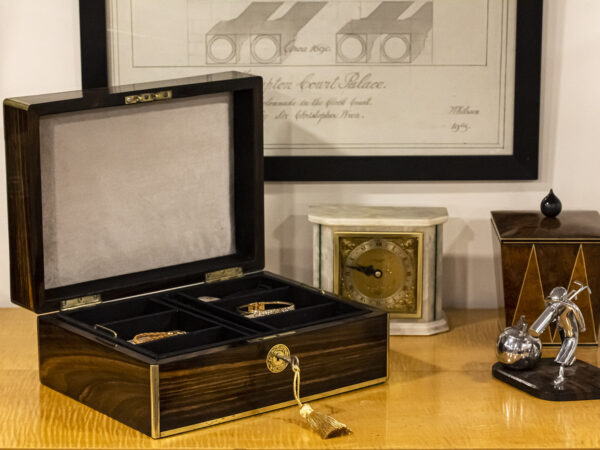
x=126 y=309
x=236 y=287
x=301 y=316
x=164 y=321
x=210 y=309
x=199 y=331
x=286 y=294
x=197 y=339
x=207 y=323
x=310 y=307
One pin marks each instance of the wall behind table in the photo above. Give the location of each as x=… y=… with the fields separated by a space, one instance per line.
x=39 y=52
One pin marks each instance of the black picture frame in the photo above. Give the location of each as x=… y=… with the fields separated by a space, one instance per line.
x=521 y=165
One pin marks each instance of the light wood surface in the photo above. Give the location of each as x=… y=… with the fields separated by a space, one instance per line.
x=440 y=394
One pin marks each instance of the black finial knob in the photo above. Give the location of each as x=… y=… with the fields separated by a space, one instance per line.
x=551 y=205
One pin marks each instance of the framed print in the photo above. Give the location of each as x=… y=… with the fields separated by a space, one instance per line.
x=354 y=90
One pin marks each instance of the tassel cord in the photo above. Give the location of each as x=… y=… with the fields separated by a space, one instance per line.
x=295 y=363
x=296 y=369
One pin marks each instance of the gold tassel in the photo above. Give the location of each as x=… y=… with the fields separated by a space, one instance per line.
x=326 y=426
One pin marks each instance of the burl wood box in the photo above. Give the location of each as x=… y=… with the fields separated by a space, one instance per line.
x=534 y=254
x=125 y=206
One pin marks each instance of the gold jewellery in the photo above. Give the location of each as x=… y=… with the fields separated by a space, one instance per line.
x=255 y=310
x=142 y=338
x=155 y=336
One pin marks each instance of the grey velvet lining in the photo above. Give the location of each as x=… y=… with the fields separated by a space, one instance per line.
x=136 y=187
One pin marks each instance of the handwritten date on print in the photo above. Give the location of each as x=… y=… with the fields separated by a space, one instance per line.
x=461 y=110
x=461 y=127
x=317 y=48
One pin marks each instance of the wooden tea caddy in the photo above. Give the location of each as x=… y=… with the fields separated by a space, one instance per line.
x=127 y=204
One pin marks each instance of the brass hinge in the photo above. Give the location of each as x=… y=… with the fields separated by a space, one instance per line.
x=148 y=97
x=225 y=274
x=79 y=302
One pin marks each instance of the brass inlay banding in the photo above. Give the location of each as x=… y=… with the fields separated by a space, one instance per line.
x=154 y=402
x=15 y=103
x=269 y=408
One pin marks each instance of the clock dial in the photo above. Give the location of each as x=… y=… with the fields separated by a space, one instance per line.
x=381 y=271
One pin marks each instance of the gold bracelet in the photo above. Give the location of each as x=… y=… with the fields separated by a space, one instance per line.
x=208 y=298
x=155 y=336
x=259 y=309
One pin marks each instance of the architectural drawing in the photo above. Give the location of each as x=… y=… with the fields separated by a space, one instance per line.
x=341 y=77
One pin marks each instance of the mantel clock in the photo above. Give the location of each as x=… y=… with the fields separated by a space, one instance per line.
x=387 y=257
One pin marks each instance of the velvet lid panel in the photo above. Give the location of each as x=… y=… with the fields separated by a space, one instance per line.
x=128 y=189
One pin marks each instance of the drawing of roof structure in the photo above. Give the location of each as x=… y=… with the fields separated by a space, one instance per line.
x=267 y=38
x=400 y=27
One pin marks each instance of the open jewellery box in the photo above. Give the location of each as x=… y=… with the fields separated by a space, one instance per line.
x=139 y=209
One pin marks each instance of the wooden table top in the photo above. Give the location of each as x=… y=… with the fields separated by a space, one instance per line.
x=440 y=394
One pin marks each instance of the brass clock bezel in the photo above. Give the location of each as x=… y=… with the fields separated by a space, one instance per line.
x=338 y=235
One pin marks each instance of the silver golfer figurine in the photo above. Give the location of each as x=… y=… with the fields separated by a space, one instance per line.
x=560 y=308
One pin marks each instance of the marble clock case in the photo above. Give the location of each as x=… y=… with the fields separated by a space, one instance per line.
x=331 y=220
x=125 y=205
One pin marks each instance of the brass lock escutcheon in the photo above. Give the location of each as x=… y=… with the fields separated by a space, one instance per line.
x=274 y=363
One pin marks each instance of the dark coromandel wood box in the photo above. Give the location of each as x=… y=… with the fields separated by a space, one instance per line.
x=126 y=205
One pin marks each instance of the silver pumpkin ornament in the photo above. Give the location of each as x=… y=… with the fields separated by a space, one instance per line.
x=516 y=349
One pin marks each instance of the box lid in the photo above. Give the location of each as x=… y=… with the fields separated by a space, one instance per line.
x=119 y=191
x=533 y=225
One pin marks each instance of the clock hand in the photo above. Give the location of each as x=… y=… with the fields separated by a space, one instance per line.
x=367 y=270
